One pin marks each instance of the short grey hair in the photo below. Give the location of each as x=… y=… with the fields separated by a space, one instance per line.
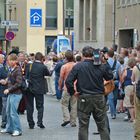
x=131 y=62
x=2 y=56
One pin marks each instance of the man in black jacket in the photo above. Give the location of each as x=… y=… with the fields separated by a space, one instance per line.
x=90 y=87
x=37 y=90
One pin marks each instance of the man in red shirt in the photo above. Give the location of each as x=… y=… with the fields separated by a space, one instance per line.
x=68 y=116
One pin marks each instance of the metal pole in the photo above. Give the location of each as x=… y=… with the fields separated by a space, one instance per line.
x=10 y=18
x=114 y=21
x=63 y=17
x=68 y=25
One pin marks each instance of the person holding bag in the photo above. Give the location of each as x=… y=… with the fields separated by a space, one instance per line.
x=14 y=93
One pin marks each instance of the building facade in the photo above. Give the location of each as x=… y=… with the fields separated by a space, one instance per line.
x=40 y=21
x=93 y=23
x=2 y=17
x=127 y=23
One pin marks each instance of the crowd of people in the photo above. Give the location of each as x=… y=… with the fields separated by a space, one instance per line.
x=76 y=82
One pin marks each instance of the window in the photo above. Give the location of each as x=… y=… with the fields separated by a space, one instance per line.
x=69 y=6
x=49 y=40
x=128 y=2
x=138 y=1
x=87 y=20
x=123 y=2
x=118 y=3
x=134 y=1
x=51 y=13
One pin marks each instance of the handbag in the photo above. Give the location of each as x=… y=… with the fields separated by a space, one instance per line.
x=109 y=86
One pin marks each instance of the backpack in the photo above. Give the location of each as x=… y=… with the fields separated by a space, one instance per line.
x=138 y=85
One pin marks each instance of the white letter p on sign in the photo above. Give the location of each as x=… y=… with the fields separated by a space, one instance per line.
x=35 y=19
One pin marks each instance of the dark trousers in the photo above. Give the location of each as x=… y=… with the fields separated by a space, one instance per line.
x=39 y=99
x=0 y=105
x=95 y=105
x=22 y=105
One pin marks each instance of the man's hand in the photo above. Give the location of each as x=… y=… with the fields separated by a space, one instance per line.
x=76 y=94
x=6 y=91
x=3 y=82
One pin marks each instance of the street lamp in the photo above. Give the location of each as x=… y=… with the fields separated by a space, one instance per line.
x=63 y=17
x=114 y=21
x=10 y=3
x=69 y=14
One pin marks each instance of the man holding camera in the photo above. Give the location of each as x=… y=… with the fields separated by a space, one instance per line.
x=90 y=87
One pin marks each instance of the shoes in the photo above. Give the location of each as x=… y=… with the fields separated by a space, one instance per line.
x=65 y=123
x=31 y=127
x=113 y=117
x=16 y=133
x=126 y=118
x=41 y=126
x=53 y=94
x=3 y=126
x=96 y=133
x=73 y=125
x=48 y=93
x=4 y=131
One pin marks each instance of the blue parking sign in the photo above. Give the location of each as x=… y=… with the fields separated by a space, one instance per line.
x=36 y=17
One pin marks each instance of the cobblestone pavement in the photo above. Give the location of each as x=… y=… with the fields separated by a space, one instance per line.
x=120 y=130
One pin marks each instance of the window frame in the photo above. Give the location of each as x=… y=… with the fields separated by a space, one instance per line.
x=123 y=5
x=51 y=28
x=72 y=16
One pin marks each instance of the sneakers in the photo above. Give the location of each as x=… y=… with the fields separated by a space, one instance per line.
x=65 y=123
x=41 y=126
x=4 y=131
x=16 y=133
x=113 y=117
x=126 y=118
x=73 y=125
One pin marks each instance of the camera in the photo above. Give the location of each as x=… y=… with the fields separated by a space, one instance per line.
x=99 y=56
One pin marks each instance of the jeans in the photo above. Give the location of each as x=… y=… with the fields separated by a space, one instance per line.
x=4 y=116
x=111 y=104
x=95 y=105
x=13 y=122
x=58 y=92
x=116 y=93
